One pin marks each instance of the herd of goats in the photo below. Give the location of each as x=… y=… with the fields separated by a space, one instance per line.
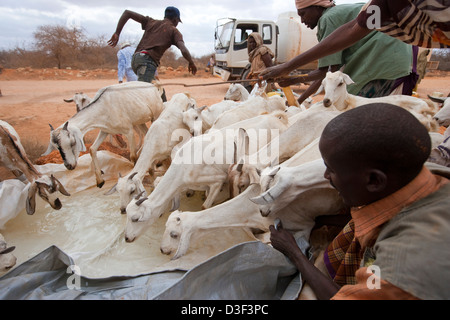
x=254 y=148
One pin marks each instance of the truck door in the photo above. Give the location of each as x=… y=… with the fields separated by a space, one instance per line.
x=240 y=53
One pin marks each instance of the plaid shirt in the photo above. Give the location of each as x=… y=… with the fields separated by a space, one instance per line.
x=344 y=255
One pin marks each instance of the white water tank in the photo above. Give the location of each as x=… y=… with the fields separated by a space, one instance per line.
x=294 y=38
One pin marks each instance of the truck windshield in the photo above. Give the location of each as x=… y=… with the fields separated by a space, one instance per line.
x=223 y=36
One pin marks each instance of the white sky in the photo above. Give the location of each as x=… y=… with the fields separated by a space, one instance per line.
x=20 y=19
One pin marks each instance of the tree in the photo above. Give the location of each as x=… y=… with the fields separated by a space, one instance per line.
x=59 y=43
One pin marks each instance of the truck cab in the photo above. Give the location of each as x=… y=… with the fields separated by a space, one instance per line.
x=286 y=38
x=231 y=45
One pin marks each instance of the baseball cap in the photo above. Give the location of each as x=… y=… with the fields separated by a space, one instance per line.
x=172 y=12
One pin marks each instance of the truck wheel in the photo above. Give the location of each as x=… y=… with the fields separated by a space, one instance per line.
x=246 y=85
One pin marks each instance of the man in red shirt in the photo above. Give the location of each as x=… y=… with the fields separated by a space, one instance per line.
x=159 y=35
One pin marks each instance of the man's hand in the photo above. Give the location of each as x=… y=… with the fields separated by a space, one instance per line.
x=283 y=241
x=274 y=72
x=192 y=68
x=114 y=40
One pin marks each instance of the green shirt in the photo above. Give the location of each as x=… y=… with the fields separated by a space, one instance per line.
x=375 y=57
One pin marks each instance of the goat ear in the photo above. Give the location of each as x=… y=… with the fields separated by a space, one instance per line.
x=68 y=100
x=50 y=148
x=31 y=199
x=111 y=191
x=175 y=203
x=319 y=91
x=59 y=186
x=202 y=108
x=66 y=126
x=347 y=79
x=137 y=218
x=79 y=138
x=183 y=245
x=274 y=171
x=254 y=176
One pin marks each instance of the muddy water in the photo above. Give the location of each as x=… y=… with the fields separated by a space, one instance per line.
x=89 y=228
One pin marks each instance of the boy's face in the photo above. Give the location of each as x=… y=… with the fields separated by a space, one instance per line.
x=348 y=178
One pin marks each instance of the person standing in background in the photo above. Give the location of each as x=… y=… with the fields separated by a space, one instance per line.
x=124 y=56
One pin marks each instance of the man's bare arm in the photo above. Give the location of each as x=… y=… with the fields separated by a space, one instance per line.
x=127 y=15
x=187 y=55
x=342 y=38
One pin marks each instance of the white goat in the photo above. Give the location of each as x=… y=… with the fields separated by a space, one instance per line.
x=335 y=86
x=443 y=115
x=114 y=110
x=237 y=92
x=200 y=164
x=200 y=120
x=7 y=259
x=158 y=145
x=14 y=157
x=300 y=135
x=248 y=109
x=238 y=212
x=303 y=185
x=81 y=100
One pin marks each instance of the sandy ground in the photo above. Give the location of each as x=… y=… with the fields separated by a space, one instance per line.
x=33 y=99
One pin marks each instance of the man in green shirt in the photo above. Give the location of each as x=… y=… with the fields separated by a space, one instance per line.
x=376 y=63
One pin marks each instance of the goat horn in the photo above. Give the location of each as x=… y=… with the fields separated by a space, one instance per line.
x=239 y=166
x=132 y=176
x=7 y=250
x=51 y=127
x=139 y=202
x=139 y=195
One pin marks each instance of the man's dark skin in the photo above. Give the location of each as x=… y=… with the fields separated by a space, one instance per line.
x=140 y=18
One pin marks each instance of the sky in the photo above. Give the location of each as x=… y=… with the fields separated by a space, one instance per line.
x=20 y=19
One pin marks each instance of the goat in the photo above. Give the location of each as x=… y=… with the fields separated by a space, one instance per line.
x=200 y=164
x=335 y=86
x=248 y=109
x=207 y=116
x=305 y=130
x=237 y=212
x=158 y=145
x=14 y=157
x=114 y=110
x=237 y=92
x=7 y=259
x=443 y=115
x=304 y=184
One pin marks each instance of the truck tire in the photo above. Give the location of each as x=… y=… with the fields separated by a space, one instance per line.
x=244 y=76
